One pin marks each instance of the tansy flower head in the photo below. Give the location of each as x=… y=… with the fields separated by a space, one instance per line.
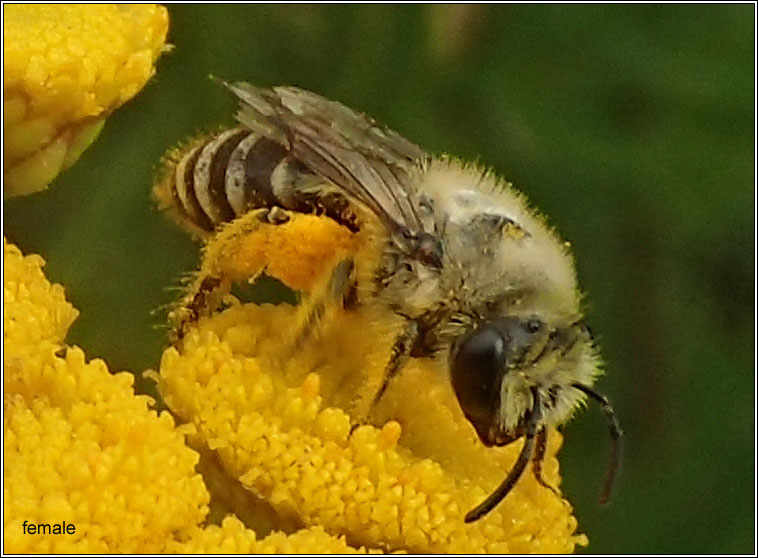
x=79 y=446
x=65 y=67
x=34 y=310
x=282 y=428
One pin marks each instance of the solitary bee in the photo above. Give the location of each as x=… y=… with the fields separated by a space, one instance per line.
x=476 y=276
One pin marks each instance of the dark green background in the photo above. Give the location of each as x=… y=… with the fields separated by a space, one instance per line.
x=630 y=126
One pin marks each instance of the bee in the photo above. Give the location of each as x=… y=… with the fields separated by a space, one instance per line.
x=474 y=274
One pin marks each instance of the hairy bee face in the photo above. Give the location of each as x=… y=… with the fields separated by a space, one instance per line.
x=473 y=272
x=495 y=366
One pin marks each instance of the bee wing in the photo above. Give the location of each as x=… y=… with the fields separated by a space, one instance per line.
x=370 y=163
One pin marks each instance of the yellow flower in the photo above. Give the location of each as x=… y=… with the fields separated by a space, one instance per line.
x=264 y=459
x=65 y=67
x=278 y=426
x=231 y=537
x=79 y=445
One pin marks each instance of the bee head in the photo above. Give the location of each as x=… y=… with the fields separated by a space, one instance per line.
x=540 y=363
x=480 y=362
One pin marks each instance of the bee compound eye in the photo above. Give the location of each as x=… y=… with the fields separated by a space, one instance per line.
x=476 y=368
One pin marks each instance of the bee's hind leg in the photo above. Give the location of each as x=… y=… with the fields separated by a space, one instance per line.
x=229 y=255
x=201 y=299
x=339 y=287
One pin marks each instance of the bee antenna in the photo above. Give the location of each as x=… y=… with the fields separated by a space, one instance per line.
x=614 y=462
x=533 y=420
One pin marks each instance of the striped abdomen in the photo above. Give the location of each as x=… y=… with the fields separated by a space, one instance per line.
x=227 y=175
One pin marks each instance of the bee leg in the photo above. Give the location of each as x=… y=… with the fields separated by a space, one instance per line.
x=401 y=352
x=538 y=457
x=227 y=257
x=337 y=287
x=203 y=297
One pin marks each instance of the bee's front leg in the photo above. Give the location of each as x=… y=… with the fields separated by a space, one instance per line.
x=538 y=458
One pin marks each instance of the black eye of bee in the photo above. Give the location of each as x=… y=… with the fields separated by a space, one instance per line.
x=477 y=366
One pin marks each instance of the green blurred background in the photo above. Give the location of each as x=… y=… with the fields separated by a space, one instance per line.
x=630 y=126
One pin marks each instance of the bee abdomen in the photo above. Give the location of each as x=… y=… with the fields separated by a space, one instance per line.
x=236 y=171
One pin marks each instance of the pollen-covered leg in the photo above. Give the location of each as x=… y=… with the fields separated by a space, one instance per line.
x=332 y=292
x=292 y=247
x=223 y=262
x=203 y=296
